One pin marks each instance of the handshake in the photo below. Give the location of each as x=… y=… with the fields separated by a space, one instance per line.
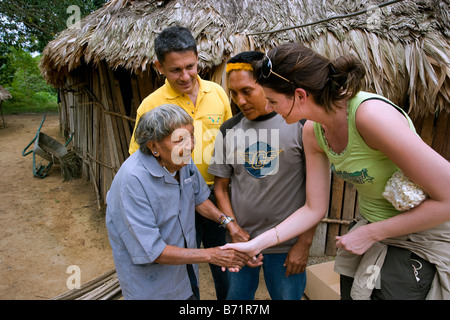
x=228 y=257
x=239 y=253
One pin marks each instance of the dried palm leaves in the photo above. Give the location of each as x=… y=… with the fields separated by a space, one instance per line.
x=404 y=46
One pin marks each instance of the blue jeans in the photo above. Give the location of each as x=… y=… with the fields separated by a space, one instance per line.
x=243 y=284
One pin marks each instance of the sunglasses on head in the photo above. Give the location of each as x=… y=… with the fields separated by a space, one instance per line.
x=267 y=69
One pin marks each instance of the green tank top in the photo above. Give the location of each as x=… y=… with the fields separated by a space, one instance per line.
x=367 y=169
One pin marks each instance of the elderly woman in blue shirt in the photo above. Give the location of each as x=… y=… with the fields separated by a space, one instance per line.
x=150 y=212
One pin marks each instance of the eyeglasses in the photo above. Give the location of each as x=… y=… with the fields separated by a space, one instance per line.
x=267 y=69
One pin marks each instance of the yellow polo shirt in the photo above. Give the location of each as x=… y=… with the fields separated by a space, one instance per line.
x=211 y=110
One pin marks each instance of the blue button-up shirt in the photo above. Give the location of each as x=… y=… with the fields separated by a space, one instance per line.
x=148 y=209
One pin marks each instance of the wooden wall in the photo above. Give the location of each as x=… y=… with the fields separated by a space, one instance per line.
x=99 y=107
x=93 y=107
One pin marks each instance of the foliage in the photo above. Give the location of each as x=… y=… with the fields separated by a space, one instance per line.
x=32 y=24
x=7 y=68
x=29 y=90
x=27 y=26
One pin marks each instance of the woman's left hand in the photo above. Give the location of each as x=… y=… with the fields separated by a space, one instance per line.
x=357 y=241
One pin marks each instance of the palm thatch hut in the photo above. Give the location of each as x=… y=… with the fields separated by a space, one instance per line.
x=4 y=95
x=103 y=69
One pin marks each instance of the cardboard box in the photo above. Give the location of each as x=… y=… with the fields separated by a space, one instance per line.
x=322 y=283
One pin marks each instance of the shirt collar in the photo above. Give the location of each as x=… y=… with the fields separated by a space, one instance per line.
x=151 y=164
x=154 y=168
x=173 y=94
x=266 y=116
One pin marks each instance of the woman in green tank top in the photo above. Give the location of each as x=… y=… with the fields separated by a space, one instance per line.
x=364 y=138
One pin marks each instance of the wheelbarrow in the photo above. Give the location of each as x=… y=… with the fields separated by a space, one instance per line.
x=48 y=149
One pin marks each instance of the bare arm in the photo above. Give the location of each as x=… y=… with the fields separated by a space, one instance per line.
x=385 y=129
x=224 y=203
x=222 y=195
x=315 y=208
x=209 y=210
x=225 y=258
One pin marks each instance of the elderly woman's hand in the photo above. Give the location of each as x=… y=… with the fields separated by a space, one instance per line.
x=228 y=258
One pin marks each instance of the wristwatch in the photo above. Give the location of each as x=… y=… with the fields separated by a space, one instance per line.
x=225 y=221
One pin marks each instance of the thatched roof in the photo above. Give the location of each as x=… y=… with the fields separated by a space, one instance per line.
x=4 y=94
x=405 y=46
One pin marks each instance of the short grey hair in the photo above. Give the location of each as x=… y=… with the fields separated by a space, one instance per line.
x=157 y=124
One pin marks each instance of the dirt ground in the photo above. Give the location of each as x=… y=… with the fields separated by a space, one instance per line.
x=47 y=225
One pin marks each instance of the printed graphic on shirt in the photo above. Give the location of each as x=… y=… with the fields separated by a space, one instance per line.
x=214 y=119
x=358 y=177
x=260 y=159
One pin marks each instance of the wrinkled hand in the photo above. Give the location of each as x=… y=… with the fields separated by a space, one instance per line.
x=237 y=234
x=252 y=263
x=246 y=248
x=228 y=258
x=357 y=241
x=297 y=259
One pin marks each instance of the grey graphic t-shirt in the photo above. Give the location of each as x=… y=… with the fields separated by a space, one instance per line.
x=265 y=161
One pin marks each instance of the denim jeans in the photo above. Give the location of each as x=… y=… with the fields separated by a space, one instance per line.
x=243 y=284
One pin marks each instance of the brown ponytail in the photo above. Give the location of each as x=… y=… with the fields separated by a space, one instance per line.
x=327 y=81
x=345 y=77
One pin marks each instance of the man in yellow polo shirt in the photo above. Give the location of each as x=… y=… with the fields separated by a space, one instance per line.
x=205 y=101
x=209 y=106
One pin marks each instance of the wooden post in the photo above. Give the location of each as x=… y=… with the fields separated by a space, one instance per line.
x=337 y=194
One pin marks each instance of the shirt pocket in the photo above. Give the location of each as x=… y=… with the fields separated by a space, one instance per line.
x=190 y=186
x=151 y=281
x=147 y=272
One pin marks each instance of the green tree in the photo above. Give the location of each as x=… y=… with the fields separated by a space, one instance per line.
x=27 y=78
x=32 y=24
x=7 y=67
x=30 y=92
x=27 y=26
